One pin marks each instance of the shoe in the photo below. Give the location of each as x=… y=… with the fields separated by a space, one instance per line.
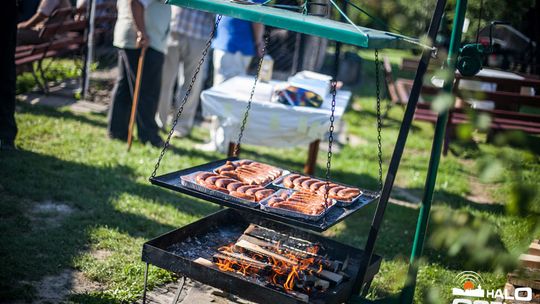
x=114 y=137
x=7 y=145
x=158 y=143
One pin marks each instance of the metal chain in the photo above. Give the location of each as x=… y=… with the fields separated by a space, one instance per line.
x=188 y=92
x=379 y=118
x=248 y=107
x=330 y=141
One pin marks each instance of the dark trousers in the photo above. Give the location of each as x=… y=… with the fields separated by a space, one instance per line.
x=8 y=36
x=122 y=95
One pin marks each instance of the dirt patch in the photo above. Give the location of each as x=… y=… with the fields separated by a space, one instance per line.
x=49 y=214
x=479 y=192
x=56 y=288
x=101 y=254
x=190 y=292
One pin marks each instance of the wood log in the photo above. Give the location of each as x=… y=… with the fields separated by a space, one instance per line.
x=531 y=261
x=322 y=284
x=263 y=237
x=335 y=278
x=312 y=280
x=204 y=262
x=325 y=274
x=241 y=259
x=272 y=245
x=258 y=249
x=534 y=249
x=284 y=240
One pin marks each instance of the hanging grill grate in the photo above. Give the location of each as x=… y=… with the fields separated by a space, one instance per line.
x=173 y=182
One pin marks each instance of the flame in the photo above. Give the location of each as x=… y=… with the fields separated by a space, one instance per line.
x=277 y=272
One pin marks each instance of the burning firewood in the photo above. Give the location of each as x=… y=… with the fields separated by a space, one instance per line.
x=263 y=237
x=239 y=259
x=335 y=278
x=258 y=249
x=284 y=240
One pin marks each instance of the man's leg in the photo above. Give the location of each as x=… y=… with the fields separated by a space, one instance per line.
x=190 y=54
x=149 y=97
x=122 y=94
x=8 y=34
x=170 y=72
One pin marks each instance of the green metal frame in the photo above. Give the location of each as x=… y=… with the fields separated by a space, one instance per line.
x=306 y=24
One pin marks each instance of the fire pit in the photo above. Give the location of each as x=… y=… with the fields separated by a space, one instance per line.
x=260 y=260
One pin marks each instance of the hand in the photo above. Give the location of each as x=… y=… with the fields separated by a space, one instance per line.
x=142 y=40
x=22 y=25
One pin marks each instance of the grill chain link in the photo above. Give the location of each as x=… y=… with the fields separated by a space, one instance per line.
x=379 y=118
x=248 y=107
x=188 y=92
x=330 y=142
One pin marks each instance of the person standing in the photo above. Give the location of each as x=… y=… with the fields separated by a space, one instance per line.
x=190 y=29
x=236 y=42
x=140 y=24
x=28 y=31
x=8 y=36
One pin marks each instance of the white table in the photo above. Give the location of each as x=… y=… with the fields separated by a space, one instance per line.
x=270 y=123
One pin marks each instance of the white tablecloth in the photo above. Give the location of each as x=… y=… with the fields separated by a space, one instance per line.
x=269 y=123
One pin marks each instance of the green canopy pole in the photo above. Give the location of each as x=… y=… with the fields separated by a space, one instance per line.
x=438 y=138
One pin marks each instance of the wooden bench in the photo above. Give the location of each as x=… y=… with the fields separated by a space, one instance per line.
x=62 y=36
x=505 y=116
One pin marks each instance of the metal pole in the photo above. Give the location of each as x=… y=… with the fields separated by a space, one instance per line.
x=399 y=147
x=91 y=7
x=438 y=139
x=145 y=284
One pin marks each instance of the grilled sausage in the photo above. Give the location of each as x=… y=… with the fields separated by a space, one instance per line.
x=234 y=186
x=288 y=181
x=201 y=177
x=225 y=181
x=241 y=195
x=262 y=194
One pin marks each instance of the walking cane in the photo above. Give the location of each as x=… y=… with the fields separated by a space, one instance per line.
x=135 y=97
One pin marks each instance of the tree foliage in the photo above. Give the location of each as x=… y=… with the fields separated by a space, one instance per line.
x=412 y=17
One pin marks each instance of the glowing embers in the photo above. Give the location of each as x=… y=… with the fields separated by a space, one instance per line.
x=282 y=262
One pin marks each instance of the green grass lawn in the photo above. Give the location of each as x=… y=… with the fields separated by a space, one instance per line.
x=66 y=158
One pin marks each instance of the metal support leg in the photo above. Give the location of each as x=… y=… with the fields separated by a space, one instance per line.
x=399 y=147
x=179 y=291
x=145 y=284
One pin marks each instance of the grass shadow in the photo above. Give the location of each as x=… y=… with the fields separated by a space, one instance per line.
x=32 y=247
